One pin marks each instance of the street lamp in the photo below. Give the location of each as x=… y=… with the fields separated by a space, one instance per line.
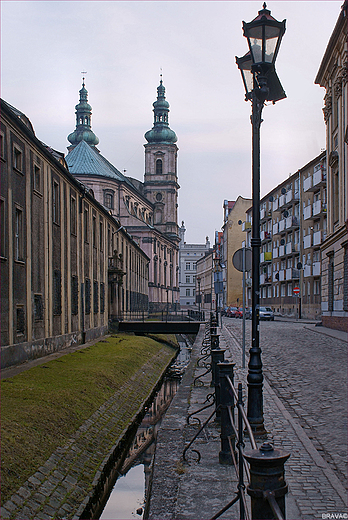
x=261 y=83
x=199 y=293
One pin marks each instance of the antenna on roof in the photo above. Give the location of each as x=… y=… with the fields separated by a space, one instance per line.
x=83 y=77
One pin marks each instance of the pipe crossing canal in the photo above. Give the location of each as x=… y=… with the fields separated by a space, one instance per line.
x=129 y=482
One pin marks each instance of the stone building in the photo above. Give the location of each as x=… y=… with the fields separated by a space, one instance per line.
x=332 y=75
x=233 y=237
x=293 y=226
x=67 y=265
x=148 y=210
x=205 y=282
x=189 y=254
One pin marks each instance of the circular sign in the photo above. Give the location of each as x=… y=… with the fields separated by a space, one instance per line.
x=237 y=259
x=296 y=290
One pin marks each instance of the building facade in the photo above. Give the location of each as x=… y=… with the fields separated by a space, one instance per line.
x=293 y=220
x=67 y=266
x=189 y=254
x=332 y=75
x=205 y=296
x=148 y=210
x=233 y=237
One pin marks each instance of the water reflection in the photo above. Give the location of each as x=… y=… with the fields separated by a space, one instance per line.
x=127 y=498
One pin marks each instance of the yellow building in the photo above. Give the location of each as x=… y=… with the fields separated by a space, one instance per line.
x=233 y=237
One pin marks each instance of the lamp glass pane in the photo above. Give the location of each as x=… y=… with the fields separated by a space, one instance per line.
x=271 y=45
x=256 y=49
x=248 y=77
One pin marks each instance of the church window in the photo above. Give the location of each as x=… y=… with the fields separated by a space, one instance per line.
x=159 y=167
x=109 y=200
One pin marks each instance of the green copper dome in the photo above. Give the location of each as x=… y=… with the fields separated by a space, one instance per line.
x=160 y=132
x=83 y=131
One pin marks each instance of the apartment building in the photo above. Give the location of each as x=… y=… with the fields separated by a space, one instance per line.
x=189 y=254
x=293 y=226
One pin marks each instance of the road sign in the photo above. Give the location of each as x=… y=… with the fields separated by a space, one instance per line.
x=296 y=290
x=237 y=259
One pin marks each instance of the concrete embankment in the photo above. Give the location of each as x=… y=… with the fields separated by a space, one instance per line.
x=71 y=481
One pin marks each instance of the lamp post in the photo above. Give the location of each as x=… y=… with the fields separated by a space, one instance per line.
x=264 y=35
x=199 y=293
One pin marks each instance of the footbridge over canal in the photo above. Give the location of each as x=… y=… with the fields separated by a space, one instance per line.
x=160 y=327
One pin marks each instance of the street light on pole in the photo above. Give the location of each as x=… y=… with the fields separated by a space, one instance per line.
x=261 y=83
x=199 y=293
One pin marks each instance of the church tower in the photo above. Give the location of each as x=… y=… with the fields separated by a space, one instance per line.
x=83 y=131
x=160 y=180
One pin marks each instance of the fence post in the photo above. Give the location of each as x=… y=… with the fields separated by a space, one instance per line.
x=217 y=356
x=267 y=487
x=215 y=341
x=226 y=399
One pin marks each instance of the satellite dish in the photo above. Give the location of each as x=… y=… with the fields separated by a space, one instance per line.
x=240 y=222
x=299 y=265
x=271 y=198
x=282 y=242
x=283 y=191
x=286 y=214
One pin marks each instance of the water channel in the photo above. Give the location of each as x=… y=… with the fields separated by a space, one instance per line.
x=128 y=496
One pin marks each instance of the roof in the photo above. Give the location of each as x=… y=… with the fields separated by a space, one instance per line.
x=86 y=160
x=20 y=116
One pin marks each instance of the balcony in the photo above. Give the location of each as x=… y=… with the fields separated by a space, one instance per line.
x=265 y=235
x=291 y=222
x=281 y=250
x=307 y=271
x=307 y=241
x=275 y=228
x=275 y=205
x=318 y=179
x=266 y=257
x=307 y=183
x=319 y=208
x=307 y=212
x=281 y=226
x=282 y=275
x=275 y=252
x=246 y=226
x=292 y=196
x=291 y=248
x=317 y=238
x=265 y=278
x=292 y=274
x=282 y=201
x=316 y=268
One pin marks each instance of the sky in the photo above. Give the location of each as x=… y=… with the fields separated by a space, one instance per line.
x=124 y=46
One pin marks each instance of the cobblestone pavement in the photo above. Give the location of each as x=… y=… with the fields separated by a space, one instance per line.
x=308 y=372
x=316 y=485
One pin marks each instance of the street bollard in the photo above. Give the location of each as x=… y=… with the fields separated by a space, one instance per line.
x=267 y=487
x=226 y=399
x=215 y=341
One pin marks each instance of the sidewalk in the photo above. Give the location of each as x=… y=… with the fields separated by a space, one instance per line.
x=199 y=490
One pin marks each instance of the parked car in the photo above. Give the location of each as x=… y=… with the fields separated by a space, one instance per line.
x=266 y=313
x=231 y=312
x=239 y=313
x=224 y=311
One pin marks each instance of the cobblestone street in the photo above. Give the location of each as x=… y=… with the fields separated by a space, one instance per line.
x=308 y=372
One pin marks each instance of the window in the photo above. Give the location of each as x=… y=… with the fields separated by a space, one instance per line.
x=19 y=237
x=290 y=289
x=38 y=307
x=187 y=292
x=2 y=145
x=17 y=159
x=73 y=216
x=88 y=296
x=57 y=292
x=85 y=223
x=3 y=228
x=94 y=230
x=102 y=298
x=187 y=279
x=95 y=297
x=55 y=202
x=20 y=321
x=159 y=167
x=74 y=295
x=316 y=287
x=101 y=235
x=188 y=266
x=282 y=289
x=109 y=200
x=37 y=178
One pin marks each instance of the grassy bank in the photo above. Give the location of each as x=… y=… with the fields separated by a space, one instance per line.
x=43 y=406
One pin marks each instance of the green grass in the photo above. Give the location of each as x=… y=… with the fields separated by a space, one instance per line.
x=43 y=406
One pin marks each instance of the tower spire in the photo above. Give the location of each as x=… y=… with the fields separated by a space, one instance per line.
x=83 y=131
x=160 y=131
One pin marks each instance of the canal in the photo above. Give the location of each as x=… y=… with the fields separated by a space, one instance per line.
x=128 y=495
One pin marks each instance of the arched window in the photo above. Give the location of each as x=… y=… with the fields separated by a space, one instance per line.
x=109 y=200
x=159 y=167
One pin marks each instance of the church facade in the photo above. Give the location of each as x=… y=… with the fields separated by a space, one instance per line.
x=148 y=209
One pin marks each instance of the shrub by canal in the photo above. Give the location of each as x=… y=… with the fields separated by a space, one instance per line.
x=43 y=406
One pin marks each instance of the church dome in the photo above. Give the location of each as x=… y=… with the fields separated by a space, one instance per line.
x=160 y=132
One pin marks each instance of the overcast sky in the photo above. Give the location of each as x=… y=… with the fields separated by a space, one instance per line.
x=123 y=45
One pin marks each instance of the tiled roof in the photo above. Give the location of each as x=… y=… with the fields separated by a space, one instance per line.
x=86 y=160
